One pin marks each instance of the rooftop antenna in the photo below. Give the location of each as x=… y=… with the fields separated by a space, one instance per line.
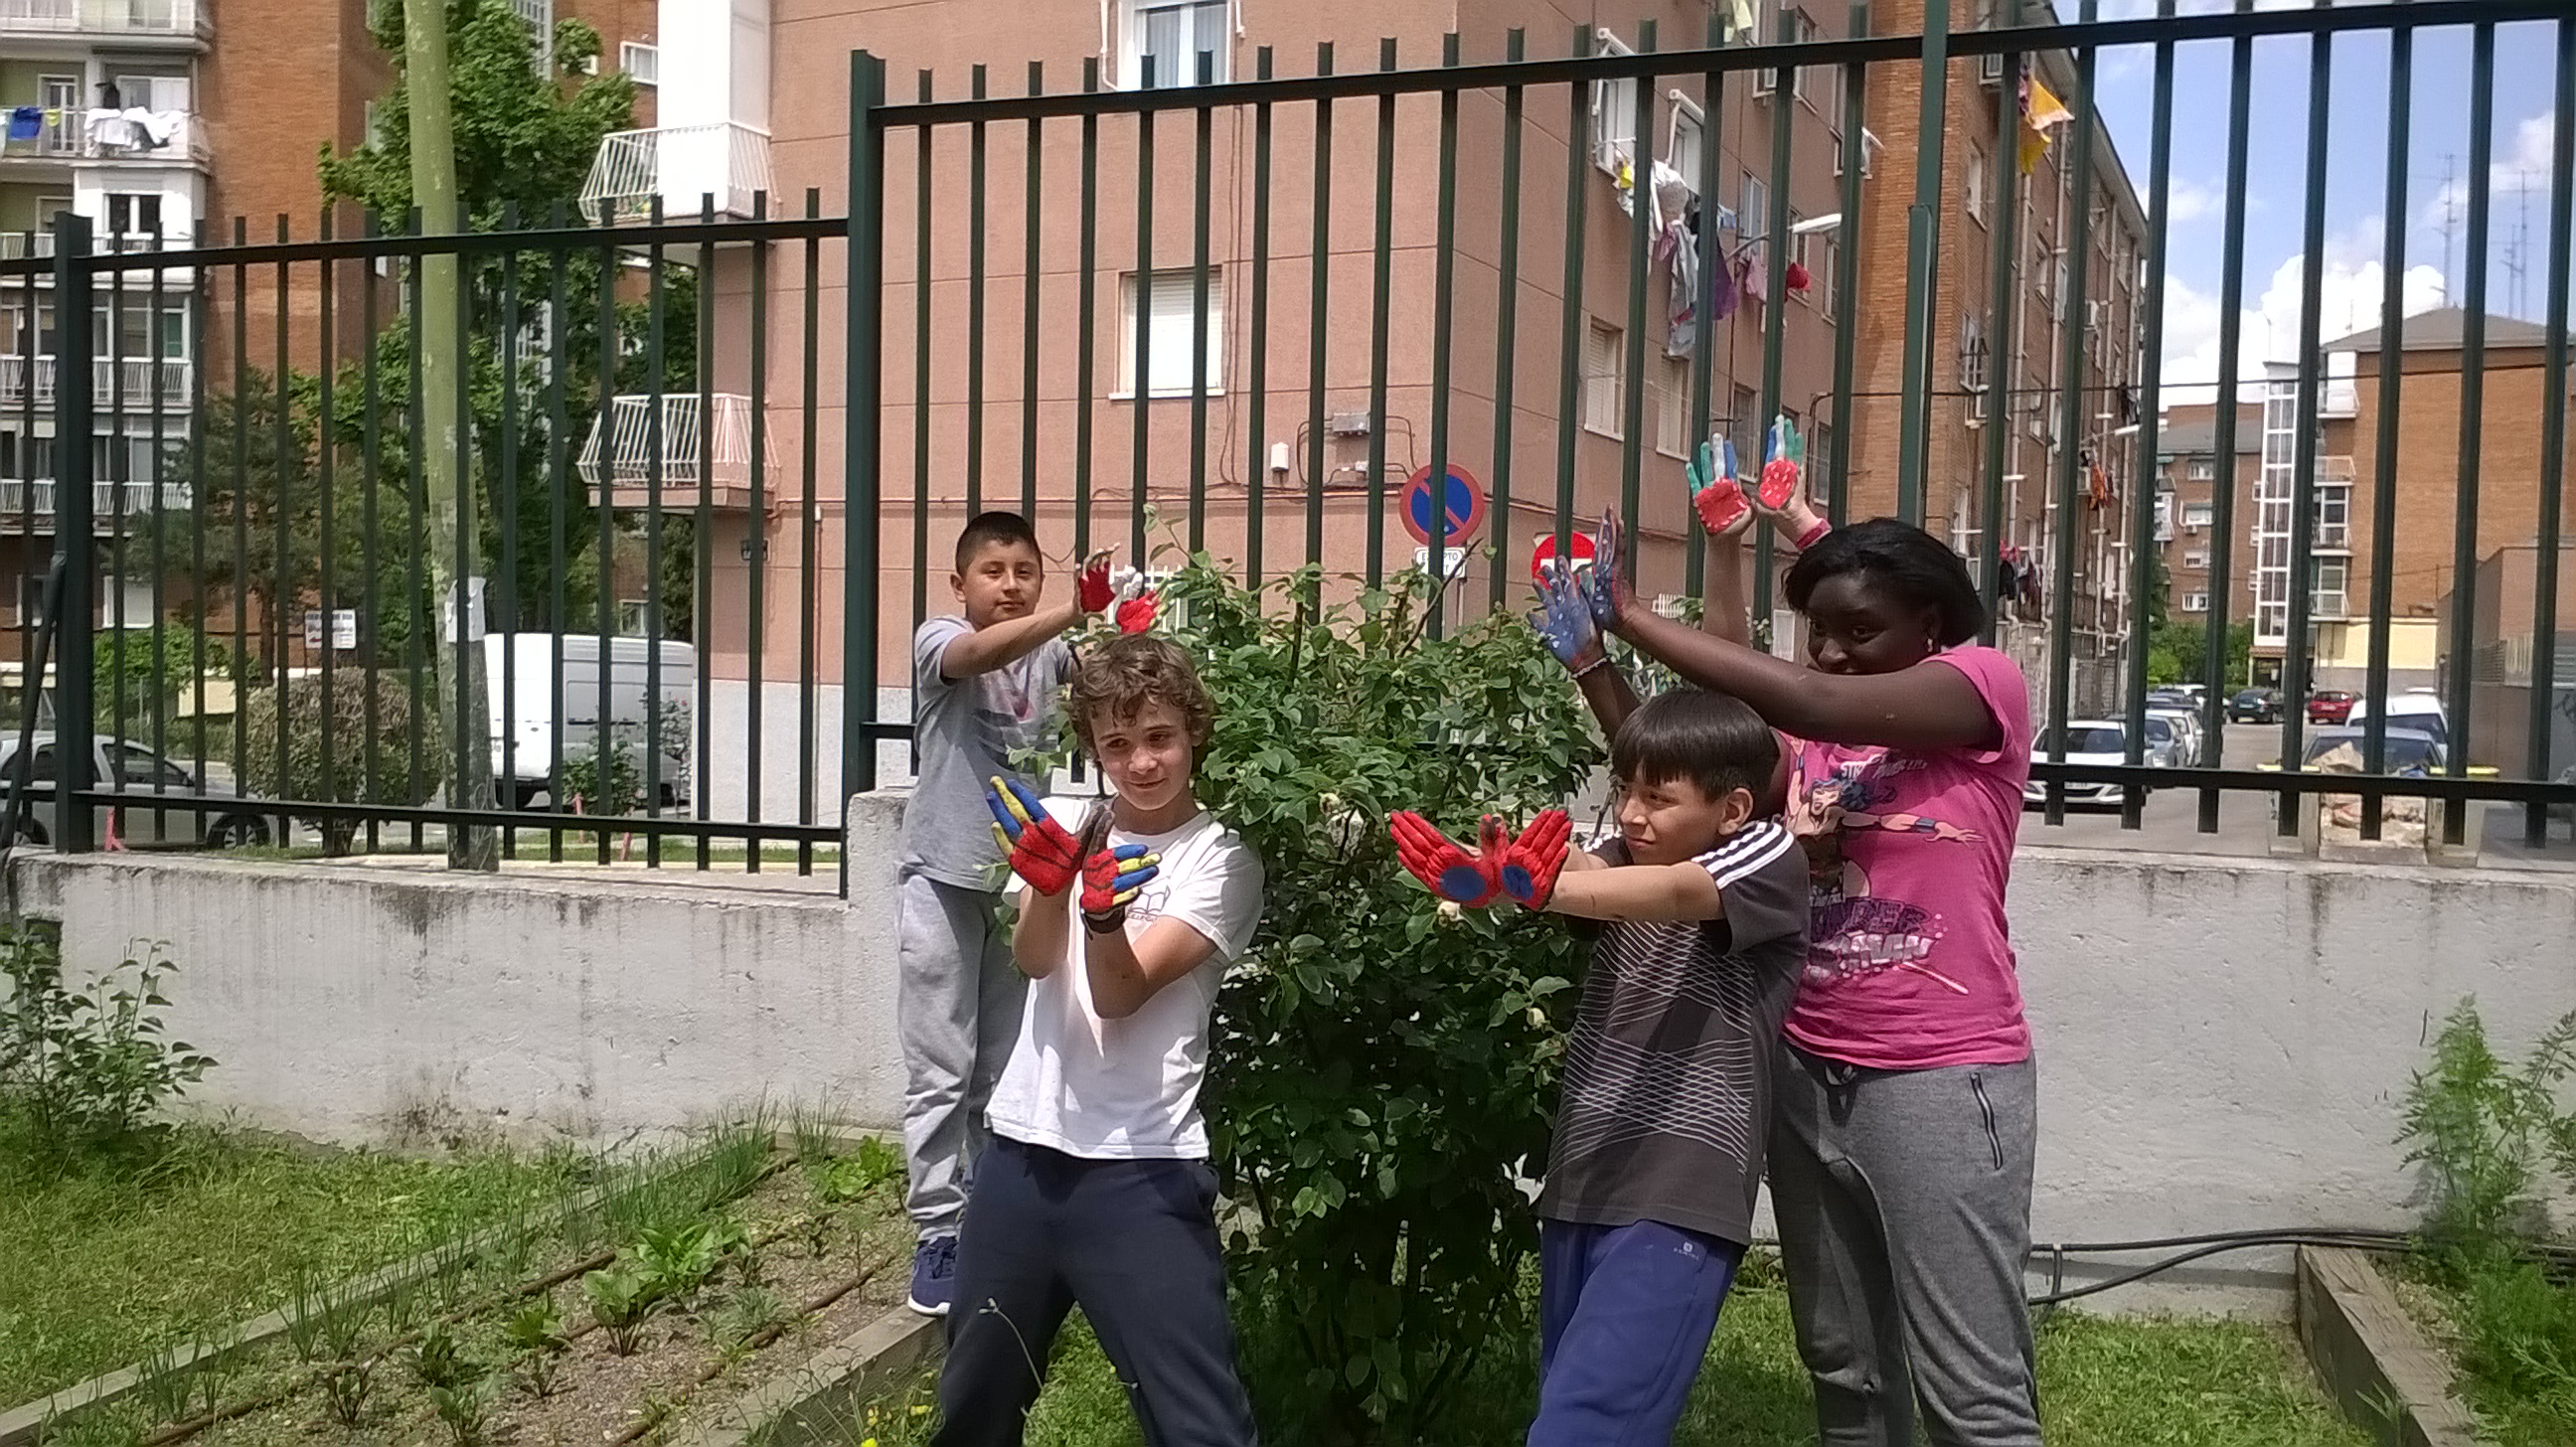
x=2518 y=253
x=2450 y=219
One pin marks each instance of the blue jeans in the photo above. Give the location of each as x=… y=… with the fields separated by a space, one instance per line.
x=1625 y=1314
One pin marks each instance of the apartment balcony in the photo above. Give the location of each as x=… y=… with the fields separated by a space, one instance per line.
x=75 y=140
x=622 y=457
x=119 y=20
x=681 y=165
x=112 y=380
x=28 y=505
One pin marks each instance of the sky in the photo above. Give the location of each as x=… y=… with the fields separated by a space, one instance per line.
x=2356 y=208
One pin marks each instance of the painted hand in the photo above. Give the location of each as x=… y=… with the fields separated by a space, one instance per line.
x=1444 y=866
x=1091 y=587
x=1607 y=589
x=1111 y=875
x=1137 y=605
x=1716 y=492
x=1564 y=618
x=1531 y=864
x=1784 y=460
x=1040 y=850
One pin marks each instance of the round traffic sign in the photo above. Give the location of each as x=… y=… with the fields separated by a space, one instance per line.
x=1578 y=548
x=1462 y=506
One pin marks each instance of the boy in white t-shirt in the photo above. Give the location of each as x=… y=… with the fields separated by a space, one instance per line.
x=1096 y=1189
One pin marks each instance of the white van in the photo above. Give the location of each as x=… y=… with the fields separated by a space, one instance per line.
x=520 y=771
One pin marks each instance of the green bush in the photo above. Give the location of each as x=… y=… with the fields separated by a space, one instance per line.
x=1383 y=1068
x=87 y=1067
x=145 y=676
x=400 y=719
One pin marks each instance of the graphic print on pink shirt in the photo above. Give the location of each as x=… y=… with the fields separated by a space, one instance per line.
x=1909 y=958
x=1854 y=933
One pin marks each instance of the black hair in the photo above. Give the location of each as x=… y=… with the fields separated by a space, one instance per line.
x=987 y=528
x=1918 y=568
x=1715 y=740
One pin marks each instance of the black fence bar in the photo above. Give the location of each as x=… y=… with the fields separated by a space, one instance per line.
x=2553 y=433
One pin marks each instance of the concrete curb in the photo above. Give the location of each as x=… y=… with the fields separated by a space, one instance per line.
x=2376 y=1363
x=813 y=1404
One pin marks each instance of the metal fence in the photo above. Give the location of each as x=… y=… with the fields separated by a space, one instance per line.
x=712 y=463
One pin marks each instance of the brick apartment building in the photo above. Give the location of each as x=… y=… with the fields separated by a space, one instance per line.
x=754 y=95
x=2427 y=490
x=2187 y=473
x=241 y=95
x=1981 y=380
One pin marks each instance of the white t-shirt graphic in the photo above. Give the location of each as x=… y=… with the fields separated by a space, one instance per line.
x=1129 y=1089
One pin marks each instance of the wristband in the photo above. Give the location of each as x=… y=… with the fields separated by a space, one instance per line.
x=1101 y=924
x=1808 y=538
x=1601 y=662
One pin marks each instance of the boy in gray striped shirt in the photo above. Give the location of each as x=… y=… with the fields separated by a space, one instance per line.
x=1648 y=1204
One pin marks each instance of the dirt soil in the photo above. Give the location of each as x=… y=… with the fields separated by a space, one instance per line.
x=598 y=1396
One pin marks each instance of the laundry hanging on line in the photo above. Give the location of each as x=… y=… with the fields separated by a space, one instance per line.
x=26 y=123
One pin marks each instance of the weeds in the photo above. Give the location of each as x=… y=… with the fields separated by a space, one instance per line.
x=347 y=1386
x=2489 y=1132
x=164 y=1385
x=89 y=1067
x=742 y=1316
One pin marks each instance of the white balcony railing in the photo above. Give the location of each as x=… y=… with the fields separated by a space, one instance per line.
x=112 y=379
x=681 y=165
x=620 y=457
x=21 y=498
x=19 y=245
x=104 y=17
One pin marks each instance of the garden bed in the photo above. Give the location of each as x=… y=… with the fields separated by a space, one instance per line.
x=655 y=1295
x=2507 y=1333
x=227 y=1220
x=2104 y=1382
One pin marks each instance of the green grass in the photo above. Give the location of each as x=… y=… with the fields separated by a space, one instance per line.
x=2104 y=1382
x=109 y=1257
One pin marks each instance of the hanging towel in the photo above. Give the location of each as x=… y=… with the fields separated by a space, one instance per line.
x=1796 y=279
x=1681 y=310
x=156 y=127
x=1725 y=288
x=2040 y=112
x=109 y=128
x=26 y=123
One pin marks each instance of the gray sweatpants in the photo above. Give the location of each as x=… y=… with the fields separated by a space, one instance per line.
x=1903 y=1200
x=957 y=1009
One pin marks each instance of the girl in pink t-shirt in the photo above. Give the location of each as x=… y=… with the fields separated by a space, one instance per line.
x=1906 y=1117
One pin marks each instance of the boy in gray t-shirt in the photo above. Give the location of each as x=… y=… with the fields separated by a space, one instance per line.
x=984 y=686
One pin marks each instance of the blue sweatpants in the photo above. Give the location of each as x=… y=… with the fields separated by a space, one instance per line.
x=1134 y=1244
x=1625 y=1314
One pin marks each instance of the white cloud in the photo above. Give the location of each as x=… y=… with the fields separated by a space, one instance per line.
x=2192 y=202
x=2350 y=285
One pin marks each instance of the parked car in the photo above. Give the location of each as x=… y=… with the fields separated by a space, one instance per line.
x=149 y=815
x=2189 y=747
x=2407 y=751
x=2093 y=741
x=2419 y=709
x=2329 y=706
x=2255 y=706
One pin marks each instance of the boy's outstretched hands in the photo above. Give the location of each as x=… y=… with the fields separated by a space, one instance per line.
x=1524 y=869
x=1137 y=604
x=1444 y=866
x=1040 y=850
x=1532 y=862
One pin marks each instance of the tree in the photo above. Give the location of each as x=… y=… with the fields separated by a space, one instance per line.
x=262 y=498
x=524 y=140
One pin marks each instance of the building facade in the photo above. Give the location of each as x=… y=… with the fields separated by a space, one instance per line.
x=2187 y=503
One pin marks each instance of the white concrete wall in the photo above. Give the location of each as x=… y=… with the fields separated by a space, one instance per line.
x=2224 y=1043
x=357 y=1003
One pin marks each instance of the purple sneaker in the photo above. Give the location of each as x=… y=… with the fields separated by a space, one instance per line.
x=934 y=1276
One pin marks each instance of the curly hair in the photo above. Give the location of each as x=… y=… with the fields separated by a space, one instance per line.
x=1119 y=677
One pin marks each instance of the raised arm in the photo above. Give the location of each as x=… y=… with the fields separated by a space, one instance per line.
x=1008 y=642
x=1564 y=620
x=1913 y=708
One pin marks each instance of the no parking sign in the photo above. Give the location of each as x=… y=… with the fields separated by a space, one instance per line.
x=1461 y=506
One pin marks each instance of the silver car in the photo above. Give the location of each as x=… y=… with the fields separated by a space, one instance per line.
x=155 y=811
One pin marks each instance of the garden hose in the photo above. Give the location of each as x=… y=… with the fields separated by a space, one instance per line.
x=2219 y=1242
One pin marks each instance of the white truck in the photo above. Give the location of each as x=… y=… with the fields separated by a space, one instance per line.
x=519 y=671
